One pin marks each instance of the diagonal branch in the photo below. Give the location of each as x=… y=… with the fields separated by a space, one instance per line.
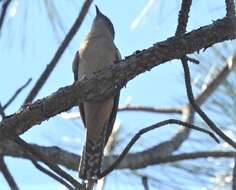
x=18 y=91
x=3 y=12
x=145 y=130
x=7 y=175
x=106 y=82
x=46 y=161
x=44 y=76
x=49 y=173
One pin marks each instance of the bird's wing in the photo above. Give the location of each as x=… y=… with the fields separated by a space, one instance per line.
x=75 y=68
x=115 y=107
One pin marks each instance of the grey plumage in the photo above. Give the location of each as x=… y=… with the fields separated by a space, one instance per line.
x=95 y=53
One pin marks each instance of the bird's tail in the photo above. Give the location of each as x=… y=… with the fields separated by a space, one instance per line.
x=90 y=164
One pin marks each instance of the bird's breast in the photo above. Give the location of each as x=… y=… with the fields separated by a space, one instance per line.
x=95 y=55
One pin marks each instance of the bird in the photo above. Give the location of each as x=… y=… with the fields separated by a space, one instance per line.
x=96 y=52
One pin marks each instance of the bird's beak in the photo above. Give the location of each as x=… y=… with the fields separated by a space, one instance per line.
x=97 y=10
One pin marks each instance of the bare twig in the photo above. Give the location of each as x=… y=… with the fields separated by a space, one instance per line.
x=52 y=175
x=34 y=159
x=46 y=161
x=234 y=176
x=18 y=91
x=230 y=8
x=145 y=182
x=150 y=109
x=7 y=175
x=195 y=61
x=44 y=76
x=2 y=113
x=3 y=12
x=147 y=129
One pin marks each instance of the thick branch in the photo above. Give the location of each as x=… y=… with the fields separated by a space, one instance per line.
x=106 y=82
x=151 y=156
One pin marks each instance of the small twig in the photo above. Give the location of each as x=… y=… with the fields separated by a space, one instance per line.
x=230 y=8
x=7 y=175
x=51 y=165
x=3 y=12
x=44 y=170
x=18 y=91
x=145 y=182
x=147 y=129
x=151 y=109
x=2 y=113
x=49 y=173
x=195 y=61
x=44 y=76
x=234 y=176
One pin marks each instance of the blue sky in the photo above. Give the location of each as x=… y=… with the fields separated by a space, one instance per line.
x=28 y=42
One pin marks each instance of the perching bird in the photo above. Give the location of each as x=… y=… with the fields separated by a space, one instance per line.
x=96 y=52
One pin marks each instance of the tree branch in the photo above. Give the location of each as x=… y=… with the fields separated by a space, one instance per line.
x=2 y=113
x=106 y=82
x=234 y=176
x=3 y=12
x=183 y=17
x=210 y=123
x=138 y=160
x=145 y=182
x=46 y=161
x=7 y=175
x=230 y=8
x=44 y=76
x=50 y=174
x=18 y=91
x=145 y=130
x=150 y=109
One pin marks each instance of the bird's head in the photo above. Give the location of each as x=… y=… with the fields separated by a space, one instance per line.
x=103 y=22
